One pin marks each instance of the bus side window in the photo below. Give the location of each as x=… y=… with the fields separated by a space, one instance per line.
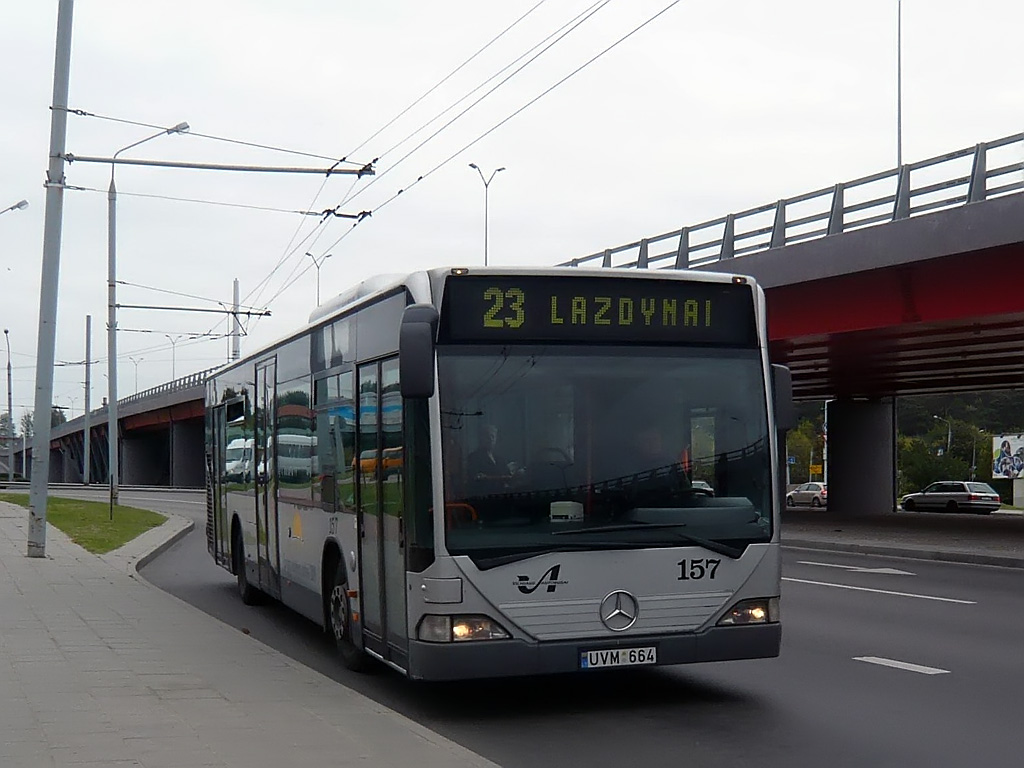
x=419 y=487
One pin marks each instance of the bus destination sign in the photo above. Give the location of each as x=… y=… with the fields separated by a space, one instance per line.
x=525 y=309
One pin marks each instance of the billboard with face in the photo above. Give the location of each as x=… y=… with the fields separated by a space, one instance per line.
x=1007 y=457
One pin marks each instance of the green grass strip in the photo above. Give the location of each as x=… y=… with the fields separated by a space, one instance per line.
x=88 y=523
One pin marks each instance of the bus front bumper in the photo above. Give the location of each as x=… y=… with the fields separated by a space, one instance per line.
x=514 y=658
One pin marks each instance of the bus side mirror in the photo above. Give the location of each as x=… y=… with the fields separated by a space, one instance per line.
x=782 y=390
x=416 y=350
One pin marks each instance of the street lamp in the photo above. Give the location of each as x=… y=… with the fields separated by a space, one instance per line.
x=112 y=314
x=487 y=184
x=136 y=361
x=10 y=413
x=949 y=431
x=18 y=206
x=174 y=340
x=317 y=264
x=899 y=84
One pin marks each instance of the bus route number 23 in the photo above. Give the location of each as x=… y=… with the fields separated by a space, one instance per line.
x=508 y=303
x=695 y=570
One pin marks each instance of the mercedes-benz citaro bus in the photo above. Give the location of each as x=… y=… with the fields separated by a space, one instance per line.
x=558 y=429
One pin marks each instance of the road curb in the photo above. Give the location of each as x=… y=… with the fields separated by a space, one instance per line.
x=141 y=550
x=966 y=558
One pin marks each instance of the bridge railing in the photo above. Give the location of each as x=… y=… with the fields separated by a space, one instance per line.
x=186 y=382
x=945 y=181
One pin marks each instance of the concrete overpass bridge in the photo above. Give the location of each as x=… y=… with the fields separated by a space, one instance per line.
x=908 y=281
x=161 y=439
x=904 y=282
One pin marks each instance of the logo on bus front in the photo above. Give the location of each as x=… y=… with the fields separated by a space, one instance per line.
x=527 y=585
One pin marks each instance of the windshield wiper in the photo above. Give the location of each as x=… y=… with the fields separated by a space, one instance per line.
x=715 y=546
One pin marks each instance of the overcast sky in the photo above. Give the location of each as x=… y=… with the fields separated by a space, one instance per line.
x=713 y=107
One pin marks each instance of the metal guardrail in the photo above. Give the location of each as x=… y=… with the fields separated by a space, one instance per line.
x=186 y=382
x=946 y=181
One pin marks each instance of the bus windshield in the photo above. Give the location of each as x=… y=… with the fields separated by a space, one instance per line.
x=556 y=447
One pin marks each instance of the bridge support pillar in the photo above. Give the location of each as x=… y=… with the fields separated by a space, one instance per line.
x=861 y=456
x=188 y=469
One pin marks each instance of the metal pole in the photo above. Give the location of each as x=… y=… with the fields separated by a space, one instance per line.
x=487 y=188
x=487 y=184
x=10 y=414
x=899 y=83
x=174 y=342
x=112 y=420
x=86 y=460
x=236 y=339
x=50 y=276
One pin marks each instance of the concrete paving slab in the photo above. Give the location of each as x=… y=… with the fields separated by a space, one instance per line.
x=105 y=669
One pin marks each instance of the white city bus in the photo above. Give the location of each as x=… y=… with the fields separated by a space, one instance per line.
x=511 y=471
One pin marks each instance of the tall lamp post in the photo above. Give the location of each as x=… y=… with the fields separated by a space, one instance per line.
x=949 y=431
x=317 y=264
x=10 y=413
x=112 y=422
x=174 y=341
x=136 y=361
x=899 y=83
x=18 y=206
x=487 y=184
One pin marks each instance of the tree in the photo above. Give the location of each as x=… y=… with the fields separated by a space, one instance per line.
x=57 y=417
x=26 y=425
x=5 y=426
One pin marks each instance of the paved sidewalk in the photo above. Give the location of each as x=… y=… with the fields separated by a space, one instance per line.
x=98 y=668
x=982 y=539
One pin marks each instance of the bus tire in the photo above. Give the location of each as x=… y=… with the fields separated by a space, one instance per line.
x=248 y=593
x=339 y=617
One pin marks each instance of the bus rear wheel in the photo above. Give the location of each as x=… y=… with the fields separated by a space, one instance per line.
x=340 y=624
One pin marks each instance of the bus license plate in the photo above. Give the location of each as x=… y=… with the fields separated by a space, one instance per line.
x=618 y=657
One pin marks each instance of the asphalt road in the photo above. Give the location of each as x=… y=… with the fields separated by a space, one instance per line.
x=919 y=663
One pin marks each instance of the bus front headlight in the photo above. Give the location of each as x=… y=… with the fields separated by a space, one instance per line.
x=760 y=610
x=458 y=629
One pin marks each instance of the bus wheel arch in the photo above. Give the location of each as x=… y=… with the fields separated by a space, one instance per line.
x=338 y=613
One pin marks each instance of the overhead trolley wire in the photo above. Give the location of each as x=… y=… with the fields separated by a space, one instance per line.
x=559 y=34
x=290 y=252
x=522 y=108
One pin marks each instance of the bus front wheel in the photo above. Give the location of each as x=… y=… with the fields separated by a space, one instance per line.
x=340 y=627
x=248 y=593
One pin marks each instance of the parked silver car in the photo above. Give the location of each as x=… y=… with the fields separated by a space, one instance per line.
x=808 y=495
x=953 y=496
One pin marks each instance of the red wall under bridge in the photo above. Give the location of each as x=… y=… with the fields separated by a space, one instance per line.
x=946 y=324
x=929 y=304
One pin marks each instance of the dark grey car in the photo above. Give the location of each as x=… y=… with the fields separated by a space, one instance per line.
x=954 y=496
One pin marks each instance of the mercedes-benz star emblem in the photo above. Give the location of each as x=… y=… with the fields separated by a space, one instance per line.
x=619 y=611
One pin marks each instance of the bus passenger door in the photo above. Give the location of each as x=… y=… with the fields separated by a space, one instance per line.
x=268 y=554
x=216 y=466
x=381 y=548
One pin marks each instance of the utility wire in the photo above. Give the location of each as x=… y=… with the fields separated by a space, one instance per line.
x=514 y=114
x=559 y=35
x=576 y=24
x=508 y=66
x=445 y=79
x=289 y=252
x=198 y=200
x=184 y=295
x=337 y=161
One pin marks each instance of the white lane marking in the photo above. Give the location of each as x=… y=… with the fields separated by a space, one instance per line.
x=881 y=591
x=858 y=569
x=902 y=665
